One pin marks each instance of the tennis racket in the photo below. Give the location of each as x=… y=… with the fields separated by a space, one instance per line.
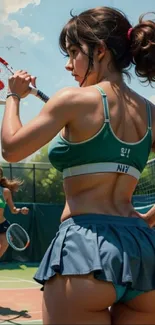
x=5 y=72
x=17 y=237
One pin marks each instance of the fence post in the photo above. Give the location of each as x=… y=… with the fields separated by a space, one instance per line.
x=10 y=171
x=34 y=184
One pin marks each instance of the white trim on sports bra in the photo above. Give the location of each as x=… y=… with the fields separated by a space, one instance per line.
x=103 y=167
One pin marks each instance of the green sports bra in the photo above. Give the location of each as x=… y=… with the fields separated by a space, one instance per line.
x=2 y=201
x=103 y=152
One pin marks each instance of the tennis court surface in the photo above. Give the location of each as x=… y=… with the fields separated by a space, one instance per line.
x=20 y=295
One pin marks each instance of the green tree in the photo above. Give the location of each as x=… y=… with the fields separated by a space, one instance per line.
x=42 y=182
x=49 y=183
x=41 y=155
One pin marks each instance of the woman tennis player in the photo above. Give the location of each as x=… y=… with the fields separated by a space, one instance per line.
x=7 y=187
x=101 y=135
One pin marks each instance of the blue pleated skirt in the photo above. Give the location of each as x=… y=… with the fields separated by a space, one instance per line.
x=116 y=249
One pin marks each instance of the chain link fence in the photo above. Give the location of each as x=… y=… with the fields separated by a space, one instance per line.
x=42 y=183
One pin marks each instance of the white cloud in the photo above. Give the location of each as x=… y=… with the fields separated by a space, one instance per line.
x=16 y=5
x=21 y=32
x=152 y=99
x=11 y=6
x=11 y=27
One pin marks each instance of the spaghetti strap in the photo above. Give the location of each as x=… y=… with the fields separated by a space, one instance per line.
x=105 y=102
x=148 y=109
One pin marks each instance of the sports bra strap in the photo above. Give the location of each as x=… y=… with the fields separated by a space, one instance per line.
x=148 y=109
x=106 y=108
x=105 y=102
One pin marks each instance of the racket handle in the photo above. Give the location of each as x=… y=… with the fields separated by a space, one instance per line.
x=42 y=96
x=39 y=94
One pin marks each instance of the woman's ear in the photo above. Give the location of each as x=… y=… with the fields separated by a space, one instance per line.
x=101 y=52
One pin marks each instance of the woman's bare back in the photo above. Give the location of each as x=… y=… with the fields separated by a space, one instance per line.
x=106 y=193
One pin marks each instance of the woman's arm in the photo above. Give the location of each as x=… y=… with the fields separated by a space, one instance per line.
x=149 y=216
x=18 y=141
x=8 y=198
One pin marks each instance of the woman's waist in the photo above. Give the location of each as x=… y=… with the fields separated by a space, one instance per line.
x=100 y=191
x=90 y=219
x=98 y=208
x=102 y=206
x=2 y=218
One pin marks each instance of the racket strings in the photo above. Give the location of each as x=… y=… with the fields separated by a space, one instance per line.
x=4 y=75
x=18 y=237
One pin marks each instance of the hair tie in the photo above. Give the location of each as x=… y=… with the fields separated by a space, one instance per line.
x=129 y=33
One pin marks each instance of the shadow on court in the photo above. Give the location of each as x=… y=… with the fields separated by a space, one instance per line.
x=5 y=311
x=10 y=315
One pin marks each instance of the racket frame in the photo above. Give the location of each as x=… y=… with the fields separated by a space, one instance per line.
x=9 y=240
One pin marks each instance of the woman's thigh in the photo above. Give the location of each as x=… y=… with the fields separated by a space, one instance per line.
x=3 y=244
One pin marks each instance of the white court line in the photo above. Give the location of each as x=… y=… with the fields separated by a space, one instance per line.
x=36 y=321
x=35 y=312
x=30 y=321
x=10 y=281
x=18 y=279
x=7 y=277
x=29 y=288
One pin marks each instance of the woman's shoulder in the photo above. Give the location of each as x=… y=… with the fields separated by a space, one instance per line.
x=140 y=100
x=5 y=190
x=74 y=92
x=77 y=96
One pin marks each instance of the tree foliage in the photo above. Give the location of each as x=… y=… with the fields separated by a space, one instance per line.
x=42 y=182
x=49 y=184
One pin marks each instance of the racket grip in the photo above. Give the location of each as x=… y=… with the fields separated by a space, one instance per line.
x=42 y=96
x=39 y=94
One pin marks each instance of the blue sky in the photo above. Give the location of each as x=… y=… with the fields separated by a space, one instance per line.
x=32 y=28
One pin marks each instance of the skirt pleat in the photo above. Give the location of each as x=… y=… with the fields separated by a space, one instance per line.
x=116 y=249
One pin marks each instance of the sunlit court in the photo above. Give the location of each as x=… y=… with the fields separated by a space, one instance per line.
x=21 y=302
x=77 y=162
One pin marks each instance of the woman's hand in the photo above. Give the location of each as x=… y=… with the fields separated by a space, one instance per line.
x=148 y=217
x=24 y=210
x=16 y=210
x=19 y=83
